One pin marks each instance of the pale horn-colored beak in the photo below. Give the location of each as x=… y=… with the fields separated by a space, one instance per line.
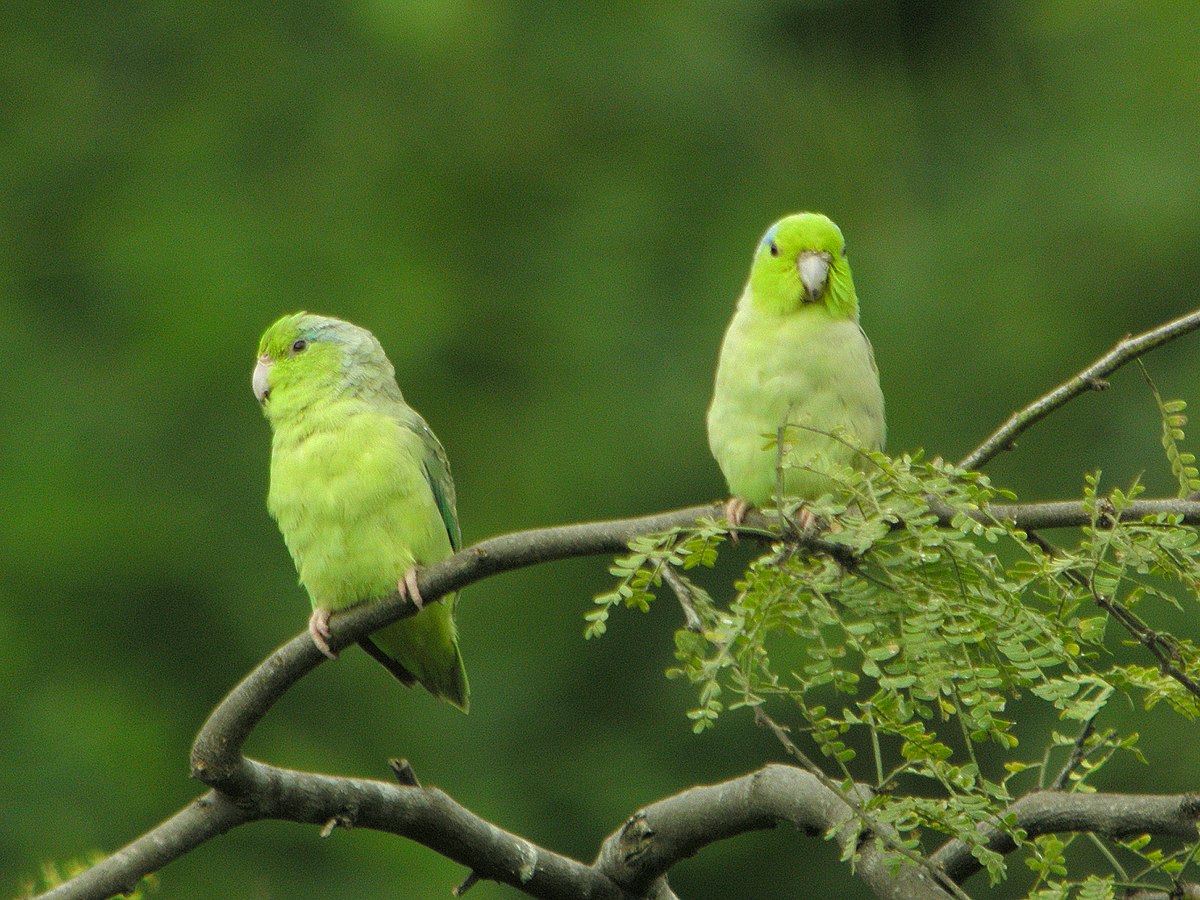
x=261 y=378
x=814 y=273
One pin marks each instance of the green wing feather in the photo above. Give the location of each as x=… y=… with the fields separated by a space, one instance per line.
x=424 y=647
x=433 y=629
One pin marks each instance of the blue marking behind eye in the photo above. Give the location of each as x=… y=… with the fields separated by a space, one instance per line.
x=769 y=237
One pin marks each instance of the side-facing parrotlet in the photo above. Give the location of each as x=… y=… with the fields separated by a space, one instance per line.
x=794 y=354
x=361 y=489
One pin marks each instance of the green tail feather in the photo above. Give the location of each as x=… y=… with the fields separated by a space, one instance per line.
x=458 y=691
x=424 y=650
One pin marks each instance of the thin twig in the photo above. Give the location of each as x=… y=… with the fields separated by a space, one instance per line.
x=1078 y=754
x=1161 y=646
x=1108 y=854
x=683 y=593
x=1090 y=379
x=467 y=883
x=404 y=773
x=1179 y=883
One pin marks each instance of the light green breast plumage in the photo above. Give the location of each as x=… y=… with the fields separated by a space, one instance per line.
x=353 y=504
x=804 y=367
x=350 y=490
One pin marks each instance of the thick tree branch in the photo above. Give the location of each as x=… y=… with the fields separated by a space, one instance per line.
x=1187 y=891
x=1049 y=812
x=246 y=790
x=425 y=815
x=206 y=817
x=1090 y=379
x=658 y=836
x=632 y=862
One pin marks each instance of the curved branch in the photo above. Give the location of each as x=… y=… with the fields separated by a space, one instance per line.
x=632 y=862
x=1049 y=812
x=216 y=752
x=660 y=835
x=1090 y=379
x=425 y=815
x=246 y=790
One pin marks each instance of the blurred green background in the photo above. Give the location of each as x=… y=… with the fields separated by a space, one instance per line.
x=545 y=212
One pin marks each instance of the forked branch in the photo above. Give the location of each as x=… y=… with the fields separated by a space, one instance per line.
x=632 y=862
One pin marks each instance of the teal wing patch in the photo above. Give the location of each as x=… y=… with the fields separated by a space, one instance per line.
x=437 y=473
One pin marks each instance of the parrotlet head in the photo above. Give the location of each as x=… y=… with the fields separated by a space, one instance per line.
x=802 y=260
x=304 y=358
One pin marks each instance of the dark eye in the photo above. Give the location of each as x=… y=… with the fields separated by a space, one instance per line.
x=774 y=248
x=299 y=345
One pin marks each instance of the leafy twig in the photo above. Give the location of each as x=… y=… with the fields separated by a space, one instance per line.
x=1078 y=754
x=856 y=805
x=1160 y=646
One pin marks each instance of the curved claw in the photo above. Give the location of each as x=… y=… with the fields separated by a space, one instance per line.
x=408 y=588
x=318 y=627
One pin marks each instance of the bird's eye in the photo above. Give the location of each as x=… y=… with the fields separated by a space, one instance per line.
x=774 y=248
x=299 y=345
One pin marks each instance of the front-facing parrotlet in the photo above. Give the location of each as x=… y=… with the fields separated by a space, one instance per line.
x=361 y=490
x=794 y=354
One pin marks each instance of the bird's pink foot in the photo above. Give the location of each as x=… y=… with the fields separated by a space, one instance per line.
x=735 y=510
x=806 y=520
x=318 y=627
x=408 y=588
x=809 y=524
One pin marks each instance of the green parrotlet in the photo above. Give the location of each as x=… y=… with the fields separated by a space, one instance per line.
x=362 y=492
x=794 y=354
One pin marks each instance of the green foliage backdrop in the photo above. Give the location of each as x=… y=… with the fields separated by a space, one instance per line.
x=545 y=213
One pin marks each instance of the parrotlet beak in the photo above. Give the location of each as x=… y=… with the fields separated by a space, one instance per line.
x=260 y=379
x=813 y=266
